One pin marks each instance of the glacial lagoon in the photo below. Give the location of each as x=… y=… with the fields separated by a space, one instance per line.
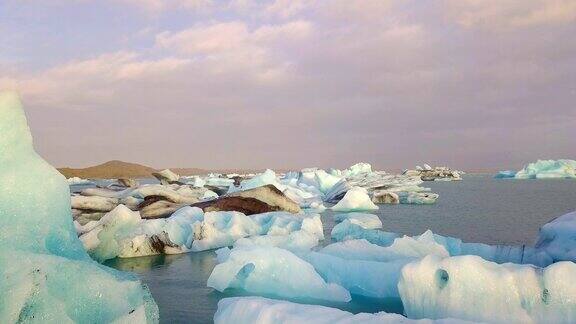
x=478 y=209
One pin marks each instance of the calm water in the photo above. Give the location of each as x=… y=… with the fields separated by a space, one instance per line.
x=478 y=209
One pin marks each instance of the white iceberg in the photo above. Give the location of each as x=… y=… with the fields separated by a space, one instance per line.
x=471 y=288
x=272 y=271
x=258 y=310
x=543 y=169
x=355 y=199
x=368 y=221
x=46 y=274
x=79 y=181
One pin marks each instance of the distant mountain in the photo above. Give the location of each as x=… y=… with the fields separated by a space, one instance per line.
x=110 y=169
x=120 y=169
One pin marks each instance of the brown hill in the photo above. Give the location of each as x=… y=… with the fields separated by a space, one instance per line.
x=119 y=169
x=110 y=169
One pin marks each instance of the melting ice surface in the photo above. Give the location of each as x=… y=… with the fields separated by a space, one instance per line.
x=45 y=274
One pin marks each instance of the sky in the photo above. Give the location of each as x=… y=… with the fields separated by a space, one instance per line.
x=286 y=84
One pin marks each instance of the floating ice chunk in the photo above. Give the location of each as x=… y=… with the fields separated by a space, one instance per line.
x=273 y=271
x=166 y=176
x=285 y=230
x=94 y=203
x=543 y=169
x=418 y=198
x=496 y=253
x=508 y=174
x=558 y=238
x=265 y=178
x=258 y=310
x=368 y=221
x=103 y=241
x=358 y=168
x=471 y=288
x=326 y=181
x=360 y=277
x=194 y=181
x=298 y=241
x=402 y=247
x=221 y=229
x=356 y=199
x=348 y=231
x=79 y=181
x=46 y=274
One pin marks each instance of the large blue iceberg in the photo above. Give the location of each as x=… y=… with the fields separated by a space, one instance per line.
x=45 y=273
x=543 y=169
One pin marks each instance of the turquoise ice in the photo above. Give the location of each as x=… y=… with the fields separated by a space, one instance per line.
x=45 y=274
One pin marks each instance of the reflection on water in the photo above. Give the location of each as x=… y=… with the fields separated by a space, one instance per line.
x=478 y=209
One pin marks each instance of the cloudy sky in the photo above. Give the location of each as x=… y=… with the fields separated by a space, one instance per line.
x=474 y=84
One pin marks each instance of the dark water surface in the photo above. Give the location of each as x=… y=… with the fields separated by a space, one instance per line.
x=478 y=209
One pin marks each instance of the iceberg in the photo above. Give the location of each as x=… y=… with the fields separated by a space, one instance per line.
x=543 y=169
x=348 y=231
x=259 y=310
x=360 y=277
x=46 y=274
x=474 y=289
x=298 y=242
x=418 y=198
x=508 y=174
x=355 y=199
x=496 y=253
x=166 y=176
x=558 y=238
x=368 y=221
x=401 y=248
x=272 y=271
x=357 y=169
x=123 y=233
x=79 y=181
